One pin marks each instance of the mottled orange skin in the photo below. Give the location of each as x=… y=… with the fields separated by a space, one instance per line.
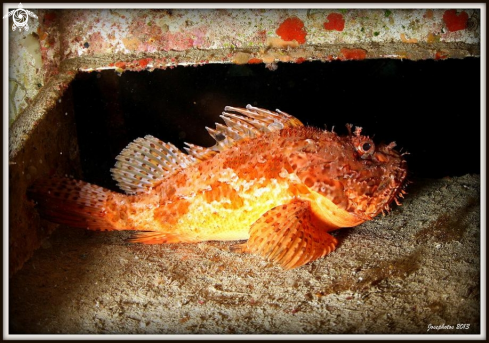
x=282 y=190
x=220 y=198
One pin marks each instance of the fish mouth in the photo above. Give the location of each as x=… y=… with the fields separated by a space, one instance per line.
x=396 y=188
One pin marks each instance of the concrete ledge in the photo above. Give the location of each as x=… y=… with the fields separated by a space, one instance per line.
x=42 y=144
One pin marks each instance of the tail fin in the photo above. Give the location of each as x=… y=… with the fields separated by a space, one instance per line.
x=72 y=202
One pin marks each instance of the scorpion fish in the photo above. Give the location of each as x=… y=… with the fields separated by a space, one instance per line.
x=269 y=179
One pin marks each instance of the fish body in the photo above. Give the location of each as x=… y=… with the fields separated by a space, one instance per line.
x=269 y=180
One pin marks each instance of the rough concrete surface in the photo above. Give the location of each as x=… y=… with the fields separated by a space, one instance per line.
x=417 y=266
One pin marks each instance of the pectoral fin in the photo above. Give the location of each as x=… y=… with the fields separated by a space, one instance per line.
x=290 y=235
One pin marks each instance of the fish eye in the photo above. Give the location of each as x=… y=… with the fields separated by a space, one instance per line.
x=365 y=147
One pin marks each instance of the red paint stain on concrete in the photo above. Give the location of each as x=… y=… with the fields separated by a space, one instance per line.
x=255 y=61
x=454 y=21
x=292 y=28
x=352 y=54
x=121 y=65
x=441 y=55
x=335 y=22
x=144 y=62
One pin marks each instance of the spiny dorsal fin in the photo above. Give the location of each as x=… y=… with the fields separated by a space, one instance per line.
x=252 y=122
x=146 y=161
x=199 y=152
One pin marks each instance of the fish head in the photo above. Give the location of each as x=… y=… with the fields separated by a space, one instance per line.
x=351 y=171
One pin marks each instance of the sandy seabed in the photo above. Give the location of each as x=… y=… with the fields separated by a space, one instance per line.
x=400 y=273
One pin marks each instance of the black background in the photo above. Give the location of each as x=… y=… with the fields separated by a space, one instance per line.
x=430 y=108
